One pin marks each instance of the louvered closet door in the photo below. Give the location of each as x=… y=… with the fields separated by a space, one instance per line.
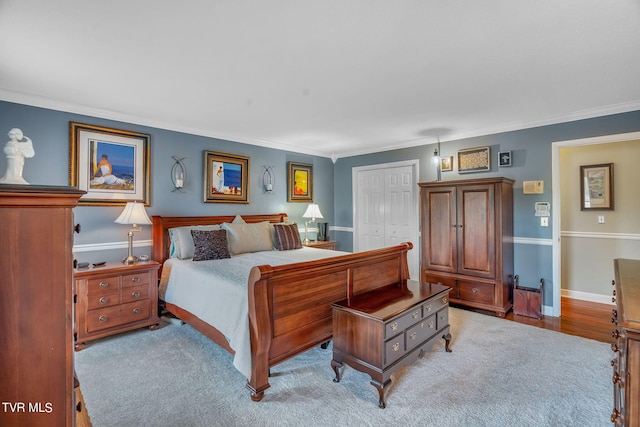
x=476 y=230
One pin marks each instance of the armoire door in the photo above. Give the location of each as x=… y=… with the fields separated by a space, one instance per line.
x=475 y=230
x=439 y=224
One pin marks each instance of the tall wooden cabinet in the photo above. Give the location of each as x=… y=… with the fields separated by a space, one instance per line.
x=467 y=240
x=36 y=296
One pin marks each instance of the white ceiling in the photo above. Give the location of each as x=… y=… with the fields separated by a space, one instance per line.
x=332 y=78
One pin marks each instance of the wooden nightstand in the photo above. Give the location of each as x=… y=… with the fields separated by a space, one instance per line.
x=115 y=298
x=329 y=244
x=380 y=331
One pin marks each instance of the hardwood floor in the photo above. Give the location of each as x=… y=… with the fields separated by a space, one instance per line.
x=582 y=318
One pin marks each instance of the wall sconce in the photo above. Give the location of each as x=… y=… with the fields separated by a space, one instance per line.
x=436 y=162
x=178 y=174
x=133 y=214
x=268 y=179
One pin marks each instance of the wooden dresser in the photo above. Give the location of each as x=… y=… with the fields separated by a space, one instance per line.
x=626 y=364
x=380 y=331
x=467 y=240
x=115 y=298
x=36 y=305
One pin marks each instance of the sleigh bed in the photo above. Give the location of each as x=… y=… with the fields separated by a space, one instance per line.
x=288 y=305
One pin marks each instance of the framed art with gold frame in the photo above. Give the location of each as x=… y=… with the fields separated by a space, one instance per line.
x=111 y=165
x=226 y=178
x=300 y=182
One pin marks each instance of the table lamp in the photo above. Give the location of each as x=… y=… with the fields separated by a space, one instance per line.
x=134 y=214
x=313 y=212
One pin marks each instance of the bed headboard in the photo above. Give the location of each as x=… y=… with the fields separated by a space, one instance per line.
x=162 y=224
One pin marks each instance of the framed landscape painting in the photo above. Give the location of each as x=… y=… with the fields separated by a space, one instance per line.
x=111 y=165
x=226 y=178
x=300 y=182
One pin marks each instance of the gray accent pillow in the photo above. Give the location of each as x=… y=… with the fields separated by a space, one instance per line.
x=210 y=244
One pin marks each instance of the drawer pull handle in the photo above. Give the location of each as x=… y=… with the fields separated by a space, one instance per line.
x=104 y=284
x=102 y=318
x=445 y=300
x=135 y=279
x=104 y=300
x=475 y=291
x=429 y=307
x=615 y=348
x=431 y=325
x=413 y=336
x=136 y=311
x=396 y=346
x=394 y=326
x=442 y=316
x=415 y=315
x=422 y=324
x=135 y=294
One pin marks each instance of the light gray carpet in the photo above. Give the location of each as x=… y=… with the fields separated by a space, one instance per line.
x=500 y=373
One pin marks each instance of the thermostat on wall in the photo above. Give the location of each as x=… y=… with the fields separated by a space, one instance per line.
x=533 y=187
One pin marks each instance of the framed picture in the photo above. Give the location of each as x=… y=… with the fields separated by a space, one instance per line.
x=446 y=164
x=504 y=158
x=596 y=187
x=474 y=160
x=111 y=165
x=226 y=178
x=300 y=182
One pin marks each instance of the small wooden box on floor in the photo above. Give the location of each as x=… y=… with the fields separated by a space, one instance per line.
x=528 y=301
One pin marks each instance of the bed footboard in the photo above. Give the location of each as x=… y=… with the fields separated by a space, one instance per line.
x=290 y=305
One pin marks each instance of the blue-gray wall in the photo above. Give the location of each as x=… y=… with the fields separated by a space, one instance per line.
x=531 y=160
x=49 y=131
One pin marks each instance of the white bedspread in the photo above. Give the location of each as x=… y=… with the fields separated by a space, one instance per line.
x=216 y=291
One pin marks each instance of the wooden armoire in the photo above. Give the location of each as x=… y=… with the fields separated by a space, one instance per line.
x=36 y=305
x=467 y=240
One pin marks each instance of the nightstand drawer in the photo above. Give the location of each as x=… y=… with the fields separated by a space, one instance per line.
x=103 y=285
x=135 y=294
x=403 y=322
x=118 y=315
x=129 y=280
x=103 y=300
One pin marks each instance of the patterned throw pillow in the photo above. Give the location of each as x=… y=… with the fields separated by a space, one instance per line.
x=287 y=236
x=210 y=244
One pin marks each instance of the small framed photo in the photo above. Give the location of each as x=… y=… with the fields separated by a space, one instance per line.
x=504 y=158
x=474 y=160
x=446 y=164
x=300 y=183
x=226 y=178
x=111 y=165
x=596 y=187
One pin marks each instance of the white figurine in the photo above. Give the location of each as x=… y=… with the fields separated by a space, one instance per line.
x=16 y=150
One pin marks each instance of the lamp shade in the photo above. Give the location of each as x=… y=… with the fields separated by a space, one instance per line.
x=133 y=213
x=313 y=211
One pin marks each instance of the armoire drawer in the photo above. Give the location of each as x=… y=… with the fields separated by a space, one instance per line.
x=475 y=291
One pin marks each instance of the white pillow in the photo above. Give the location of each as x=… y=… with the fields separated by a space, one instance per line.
x=249 y=237
x=182 y=246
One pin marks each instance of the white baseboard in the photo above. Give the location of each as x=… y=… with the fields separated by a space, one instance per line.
x=586 y=296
